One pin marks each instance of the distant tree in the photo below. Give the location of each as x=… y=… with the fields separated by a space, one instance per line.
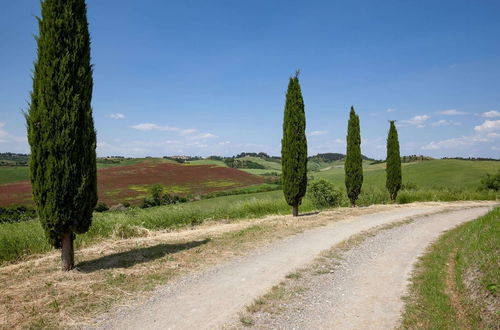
x=393 y=166
x=294 y=146
x=353 y=161
x=60 y=126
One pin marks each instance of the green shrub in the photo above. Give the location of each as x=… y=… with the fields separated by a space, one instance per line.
x=324 y=194
x=16 y=213
x=101 y=207
x=158 y=197
x=491 y=182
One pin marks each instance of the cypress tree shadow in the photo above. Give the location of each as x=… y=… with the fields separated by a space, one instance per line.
x=308 y=214
x=133 y=257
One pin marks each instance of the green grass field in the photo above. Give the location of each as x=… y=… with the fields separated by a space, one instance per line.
x=432 y=174
x=10 y=174
x=207 y=162
x=439 y=180
x=267 y=164
x=439 y=297
x=26 y=238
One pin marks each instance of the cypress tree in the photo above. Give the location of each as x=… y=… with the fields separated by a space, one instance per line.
x=60 y=126
x=353 y=162
x=294 y=146
x=393 y=163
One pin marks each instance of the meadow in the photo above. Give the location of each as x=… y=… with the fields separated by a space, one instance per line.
x=129 y=181
x=437 y=180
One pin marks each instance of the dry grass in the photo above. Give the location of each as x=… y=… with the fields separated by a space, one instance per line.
x=34 y=293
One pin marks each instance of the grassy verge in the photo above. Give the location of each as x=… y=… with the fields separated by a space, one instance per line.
x=456 y=285
x=27 y=238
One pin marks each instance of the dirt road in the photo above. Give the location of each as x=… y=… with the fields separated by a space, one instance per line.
x=214 y=297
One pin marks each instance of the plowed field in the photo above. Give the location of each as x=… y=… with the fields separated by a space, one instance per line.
x=130 y=183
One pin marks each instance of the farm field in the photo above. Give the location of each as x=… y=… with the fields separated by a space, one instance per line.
x=432 y=174
x=130 y=182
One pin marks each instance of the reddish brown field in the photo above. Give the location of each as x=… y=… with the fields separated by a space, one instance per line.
x=130 y=183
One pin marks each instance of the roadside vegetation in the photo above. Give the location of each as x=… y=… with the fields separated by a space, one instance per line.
x=456 y=285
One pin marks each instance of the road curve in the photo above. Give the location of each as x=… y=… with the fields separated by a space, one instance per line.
x=210 y=299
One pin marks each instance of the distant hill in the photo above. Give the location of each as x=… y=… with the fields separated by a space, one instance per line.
x=473 y=158
x=13 y=159
x=332 y=157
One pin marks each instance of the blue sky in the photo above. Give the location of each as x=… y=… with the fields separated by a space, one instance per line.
x=209 y=77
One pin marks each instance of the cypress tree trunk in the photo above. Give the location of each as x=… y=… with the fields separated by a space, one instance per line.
x=67 y=252
x=60 y=126
x=353 y=162
x=393 y=163
x=294 y=147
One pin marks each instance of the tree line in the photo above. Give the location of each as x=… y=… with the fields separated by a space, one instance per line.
x=62 y=137
x=294 y=152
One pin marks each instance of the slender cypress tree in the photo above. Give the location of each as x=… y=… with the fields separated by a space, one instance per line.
x=353 y=161
x=60 y=126
x=393 y=163
x=294 y=146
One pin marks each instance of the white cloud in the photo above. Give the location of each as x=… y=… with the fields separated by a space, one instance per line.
x=318 y=133
x=12 y=143
x=444 y=122
x=451 y=112
x=488 y=126
x=418 y=121
x=154 y=127
x=486 y=132
x=390 y=110
x=188 y=131
x=117 y=115
x=491 y=114
x=204 y=136
x=456 y=142
x=224 y=143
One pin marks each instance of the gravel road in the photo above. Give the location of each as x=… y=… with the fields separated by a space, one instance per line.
x=214 y=297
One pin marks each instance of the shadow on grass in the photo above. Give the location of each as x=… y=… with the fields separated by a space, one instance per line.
x=133 y=257
x=308 y=214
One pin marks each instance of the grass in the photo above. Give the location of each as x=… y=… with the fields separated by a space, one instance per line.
x=10 y=174
x=267 y=164
x=456 y=284
x=26 y=238
x=434 y=174
x=206 y=162
x=259 y=171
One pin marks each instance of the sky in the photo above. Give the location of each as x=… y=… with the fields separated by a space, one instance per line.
x=210 y=77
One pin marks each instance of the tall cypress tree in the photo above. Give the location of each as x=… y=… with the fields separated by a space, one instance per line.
x=393 y=163
x=60 y=126
x=353 y=161
x=294 y=146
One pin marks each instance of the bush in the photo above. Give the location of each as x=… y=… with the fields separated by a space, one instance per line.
x=101 y=207
x=491 y=182
x=324 y=194
x=158 y=197
x=16 y=213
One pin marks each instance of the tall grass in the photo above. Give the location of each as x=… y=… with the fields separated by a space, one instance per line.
x=26 y=238
x=466 y=254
